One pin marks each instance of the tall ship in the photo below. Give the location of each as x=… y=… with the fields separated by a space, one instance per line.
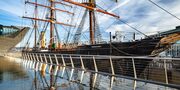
x=48 y=36
x=10 y=36
x=150 y=45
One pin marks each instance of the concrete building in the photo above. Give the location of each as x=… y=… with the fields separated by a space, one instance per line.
x=10 y=36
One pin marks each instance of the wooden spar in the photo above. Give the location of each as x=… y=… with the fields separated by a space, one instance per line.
x=91 y=22
x=64 y=11
x=55 y=22
x=37 y=4
x=49 y=7
x=91 y=8
x=63 y=4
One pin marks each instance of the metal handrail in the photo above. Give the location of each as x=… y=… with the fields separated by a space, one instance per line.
x=115 y=57
x=61 y=60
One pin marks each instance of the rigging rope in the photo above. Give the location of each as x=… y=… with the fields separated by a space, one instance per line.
x=56 y=30
x=76 y=22
x=72 y=36
x=133 y=27
x=164 y=9
x=80 y=28
x=70 y=29
x=98 y=35
x=29 y=38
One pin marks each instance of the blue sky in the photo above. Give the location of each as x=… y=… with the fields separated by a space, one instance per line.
x=10 y=12
x=139 y=13
x=7 y=18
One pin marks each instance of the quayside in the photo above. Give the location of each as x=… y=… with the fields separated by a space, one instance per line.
x=130 y=59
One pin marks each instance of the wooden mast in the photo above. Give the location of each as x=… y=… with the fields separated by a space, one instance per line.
x=35 y=27
x=91 y=22
x=51 y=45
x=52 y=23
x=91 y=7
x=35 y=41
x=51 y=19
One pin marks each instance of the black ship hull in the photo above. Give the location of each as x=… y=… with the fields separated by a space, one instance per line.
x=149 y=46
x=143 y=47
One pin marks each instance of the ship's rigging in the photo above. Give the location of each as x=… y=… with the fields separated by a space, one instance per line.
x=90 y=7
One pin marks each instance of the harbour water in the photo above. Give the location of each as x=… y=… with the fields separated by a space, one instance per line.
x=14 y=76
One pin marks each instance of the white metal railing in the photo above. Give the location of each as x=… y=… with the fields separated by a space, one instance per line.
x=156 y=70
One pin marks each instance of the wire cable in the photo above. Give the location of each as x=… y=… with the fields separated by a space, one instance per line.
x=133 y=27
x=164 y=9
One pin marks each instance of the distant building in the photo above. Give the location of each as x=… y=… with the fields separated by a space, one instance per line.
x=174 y=51
x=10 y=36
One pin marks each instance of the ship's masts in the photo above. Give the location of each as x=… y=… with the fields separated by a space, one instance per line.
x=91 y=22
x=51 y=23
x=91 y=7
x=35 y=27
x=52 y=18
x=35 y=39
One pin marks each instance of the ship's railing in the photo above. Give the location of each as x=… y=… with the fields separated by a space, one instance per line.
x=156 y=70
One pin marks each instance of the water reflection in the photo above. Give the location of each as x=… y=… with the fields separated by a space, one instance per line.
x=39 y=76
x=10 y=71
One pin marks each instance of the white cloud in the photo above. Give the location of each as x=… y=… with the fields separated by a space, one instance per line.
x=120 y=3
x=139 y=13
x=12 y=6
x=153 y=19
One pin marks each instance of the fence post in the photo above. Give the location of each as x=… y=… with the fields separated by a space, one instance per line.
x=44 y=66
x=57 y=65
x=165 y=71
x=25 y=59
x=41 y=62
x=28 y=61
x=83 y=69
x=72 y=69
x=135 y=75
x=56 y=59
x=50 y=67
x=96 y=70
x=34 y=61
x=37 y=63
x=45 y=58
x=32 y=56
x=64 y=66
x=31 y=61
x=37 y=57
x=113 y=73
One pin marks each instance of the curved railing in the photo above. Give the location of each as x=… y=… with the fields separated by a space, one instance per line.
x=155 y=70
